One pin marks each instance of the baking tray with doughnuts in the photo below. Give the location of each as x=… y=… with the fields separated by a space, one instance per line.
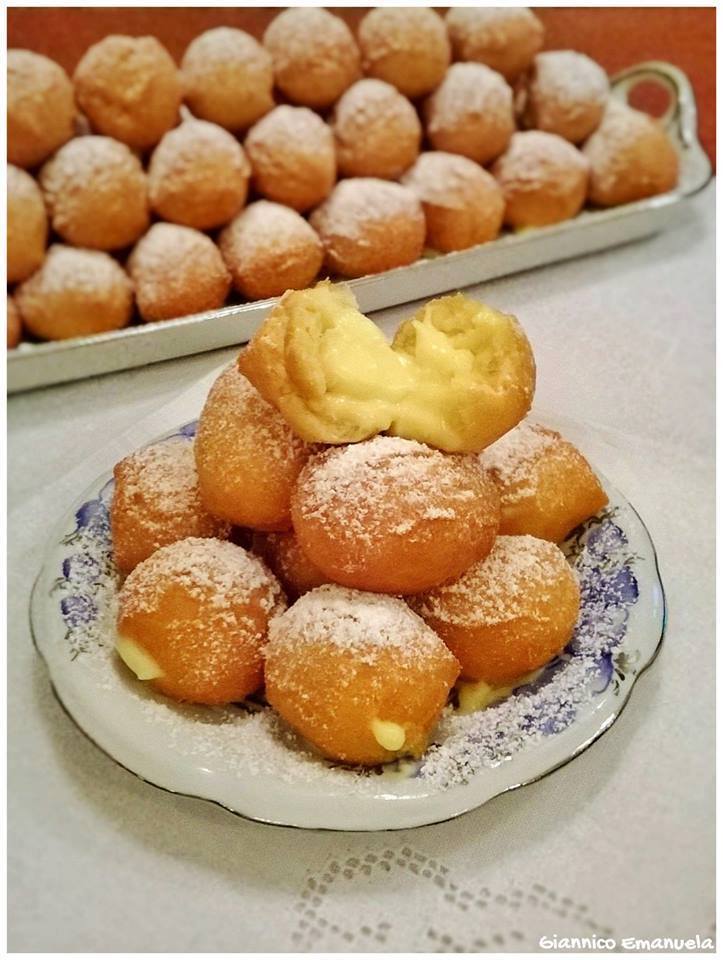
x=35 y=365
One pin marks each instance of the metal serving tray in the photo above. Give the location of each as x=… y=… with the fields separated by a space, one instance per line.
x=35 y=365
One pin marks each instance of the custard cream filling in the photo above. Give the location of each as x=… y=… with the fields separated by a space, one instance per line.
x=137 y=660
x=389 y=735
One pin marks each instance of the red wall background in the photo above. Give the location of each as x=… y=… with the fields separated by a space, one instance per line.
x=617 y=37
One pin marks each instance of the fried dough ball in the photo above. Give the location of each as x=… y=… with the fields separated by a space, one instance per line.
x=504 y=38
x=177 y=271
x=377 y=131
x=368 y=226
x=27 y=225
x=75 y=293
x=156 y=501
x=292 y=157
x=543 y=177
x=227 y=78
x=509 y=614
x=193 y=620
x=284 y=556
x=41 y=108
x=96 y=193
x=14 y=325
x=392 y=515
x=631 y=157
x=247 y=457
x=129 y=89
x=471 y=113
x=198 y=176
x=458 y=375
x=463 y=204
x=564 y=93
x=546 y=485
x=270 y=249
x=314 y=54
x=357 y=674
x=407 y=47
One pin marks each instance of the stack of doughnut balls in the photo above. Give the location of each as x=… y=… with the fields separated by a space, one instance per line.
x=254 y=167
x=360 y=532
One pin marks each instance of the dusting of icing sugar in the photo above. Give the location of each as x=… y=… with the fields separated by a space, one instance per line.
x=535 y=160
x=568 y=82
x=348 y=488
x=449 y=180
x=491 y=591
x=217 y=573
x=157 y=491
x=361 y=623
x=511 y=459
x=470 y=91
x=359 y=201
x=250 y=740
x=184 y=150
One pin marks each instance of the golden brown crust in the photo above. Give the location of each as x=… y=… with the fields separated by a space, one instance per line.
x=543 y=177
x=14 y=324
x=96 y=193
x=463 y=204
x=392 y=515
x=198 y=176
x=270 y=249
x=377 y=131
x=471 y=112
x=75 y=293
x=227 y=78
x=284 y=556
x=314 y=54
x=177 y=271
x=546 y=485
x=292 y=157
x=504 y=38
x=129 y=89
x=408 y=48
x=200 y=608
x=565 y=93
x=368 y=226
x=631 y=157
x=40 y=105
x=340 y=660
x=27 y=226
x=156 y=501
x=509 y=614
x=247 y=457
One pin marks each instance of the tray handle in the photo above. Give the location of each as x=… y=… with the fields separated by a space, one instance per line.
x=680 y=118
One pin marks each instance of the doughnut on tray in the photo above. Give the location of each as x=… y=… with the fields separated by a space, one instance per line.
x=43 y=364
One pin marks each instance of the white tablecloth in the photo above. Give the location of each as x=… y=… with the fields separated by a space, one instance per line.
x=617 y=844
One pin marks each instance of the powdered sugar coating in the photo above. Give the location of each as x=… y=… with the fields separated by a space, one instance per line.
x=75 y=292
x=156 y=501
x=198 y=175
x=177 y=271
x=369 y=225
x=512 y=458
x=377 y=131
x=292 y=157
x=565 y=94
x=129 y=89
x=269 y=249
x=40 y=107
x=96 y=193
x=352 y=620
x=504 y=38
x=518 y=573
x=314 y=54
x=630 y=155
x=471 y=112
x=214 y=572
x=27 y=225
x=407 y=47
x=227 y=78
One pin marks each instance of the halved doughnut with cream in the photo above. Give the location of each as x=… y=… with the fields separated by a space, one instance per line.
x=458 y=375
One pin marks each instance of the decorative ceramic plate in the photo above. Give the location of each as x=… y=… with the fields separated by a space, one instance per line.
x=244 y=758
